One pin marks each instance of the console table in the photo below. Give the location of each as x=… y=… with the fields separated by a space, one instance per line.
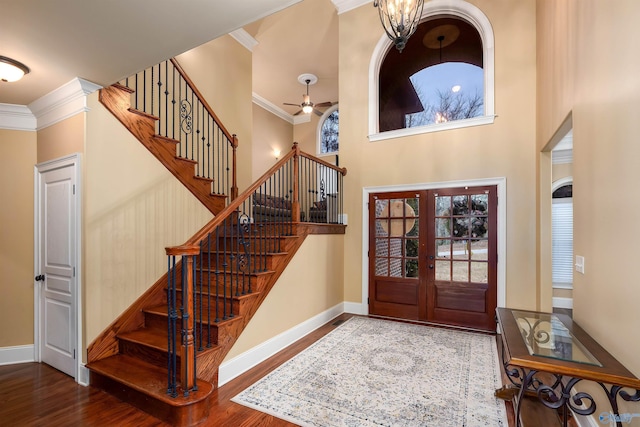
x=535 y=342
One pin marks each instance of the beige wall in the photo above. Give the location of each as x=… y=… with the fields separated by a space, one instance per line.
x=503 y=149
x=588 y=70
x=270 y=133
x=61 y=139
x=221 y=69
x=310 y=285
x=305 y=134
x=19 y=153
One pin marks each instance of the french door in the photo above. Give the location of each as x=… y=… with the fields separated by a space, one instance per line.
x=433 y=256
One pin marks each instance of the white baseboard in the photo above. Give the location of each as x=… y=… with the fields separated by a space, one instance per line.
x=83 y=375
x=250 y=358
x=17 y=354
x=559 y=302
x=356 y=308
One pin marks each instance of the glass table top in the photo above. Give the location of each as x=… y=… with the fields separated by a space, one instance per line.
x=545 y=335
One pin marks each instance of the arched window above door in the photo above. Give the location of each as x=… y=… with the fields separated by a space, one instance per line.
x=328 y=132
x=414 y=91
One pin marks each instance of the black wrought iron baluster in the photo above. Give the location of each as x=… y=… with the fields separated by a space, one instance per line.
x=173 y=104
x=144 y=90
x=227 y=185
x=209 y=291
x=217 y=273
x=195 y=353
x=224 y=271
x=166 y=99
x=199 y=297
x=171 y=328
x=151 y=91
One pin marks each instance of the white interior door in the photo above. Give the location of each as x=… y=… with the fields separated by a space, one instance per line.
x=56 y=241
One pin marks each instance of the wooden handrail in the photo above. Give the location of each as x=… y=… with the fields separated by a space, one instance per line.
x=232 y=139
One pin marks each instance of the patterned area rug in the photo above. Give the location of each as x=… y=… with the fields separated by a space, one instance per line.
x=370 y=372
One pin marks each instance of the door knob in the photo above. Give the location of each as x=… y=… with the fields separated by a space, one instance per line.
x=431 y=266
x=40 y=278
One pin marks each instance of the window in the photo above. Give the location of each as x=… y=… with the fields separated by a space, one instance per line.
x=562 y=237
x=328 y=142
x=398 y=108
x=437 y=78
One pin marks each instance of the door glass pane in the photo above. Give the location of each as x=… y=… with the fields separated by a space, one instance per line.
x=442 y=227
x=382 y=267
x=479 y=272
x=382 y=225
x=395 y=267
x=480 y=204
x=480 y=227
x=411 y=247
x=479 y=249
x=443 y=205
x=461 y=249
x=411 y=268
x=461 y=205
x=382 y=247
x=443 y=248
x=460 y=227
x=460 y=271
x=380 y=207
x=443 y=270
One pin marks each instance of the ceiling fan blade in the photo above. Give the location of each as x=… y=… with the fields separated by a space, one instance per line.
x=298 y=113
x=286 y=103
x=318 y=112
x=326 y=104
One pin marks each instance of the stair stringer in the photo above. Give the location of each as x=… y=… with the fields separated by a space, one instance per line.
x=208 y=364
x=117 y=99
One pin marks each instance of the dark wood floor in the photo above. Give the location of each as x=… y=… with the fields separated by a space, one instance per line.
x=33 y=394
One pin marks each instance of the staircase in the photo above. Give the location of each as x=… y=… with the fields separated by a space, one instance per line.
x=163 y=353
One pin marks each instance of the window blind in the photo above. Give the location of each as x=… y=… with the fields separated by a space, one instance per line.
x=562 y=240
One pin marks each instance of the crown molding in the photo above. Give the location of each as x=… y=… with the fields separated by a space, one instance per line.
x=17 y=117
x=275 y=110
x=346 y=5
x=244 y=38
x=62 y=103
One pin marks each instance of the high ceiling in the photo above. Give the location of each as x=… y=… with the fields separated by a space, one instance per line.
x=104 y=41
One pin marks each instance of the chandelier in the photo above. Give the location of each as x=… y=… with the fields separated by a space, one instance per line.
x=399 y=19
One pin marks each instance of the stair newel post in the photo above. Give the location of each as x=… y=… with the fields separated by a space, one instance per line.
x=187 y=315
x=295 y=202
x=234 y=173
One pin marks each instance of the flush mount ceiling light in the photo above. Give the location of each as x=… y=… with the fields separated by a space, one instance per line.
x=399 y=18
x=11 y=70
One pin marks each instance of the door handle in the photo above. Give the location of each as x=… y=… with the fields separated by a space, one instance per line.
x=40 y=278
x=431 y=266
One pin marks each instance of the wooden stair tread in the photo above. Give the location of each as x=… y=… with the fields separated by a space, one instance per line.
x=147 y=336
x=254 y=273
x=147 y=379
x=161 y=310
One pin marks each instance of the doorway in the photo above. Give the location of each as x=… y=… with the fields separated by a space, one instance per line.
x=56 y=257
x=433 y=255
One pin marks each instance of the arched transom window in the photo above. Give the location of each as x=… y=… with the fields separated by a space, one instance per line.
x=442 y=79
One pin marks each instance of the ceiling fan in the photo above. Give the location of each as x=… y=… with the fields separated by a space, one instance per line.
x=307 y=106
